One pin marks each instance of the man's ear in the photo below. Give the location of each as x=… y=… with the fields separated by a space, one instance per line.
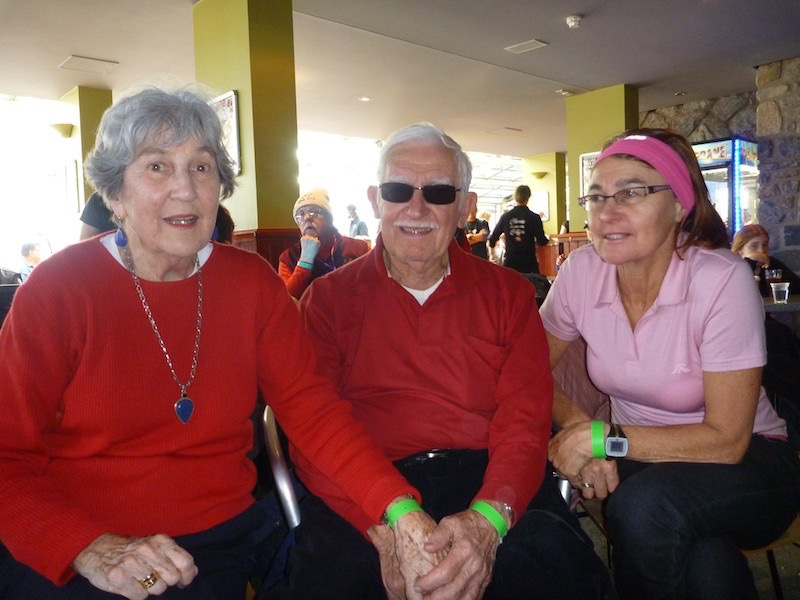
x=470 y=203
x=372 y=194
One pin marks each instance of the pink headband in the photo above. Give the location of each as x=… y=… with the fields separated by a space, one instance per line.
x=663 y=159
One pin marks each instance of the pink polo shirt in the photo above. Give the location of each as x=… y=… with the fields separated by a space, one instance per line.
x=708 y=316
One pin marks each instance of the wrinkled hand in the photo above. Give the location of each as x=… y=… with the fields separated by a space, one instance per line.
x=467 y=569
x=570 y=450
x=402 y=554
x=309 y=246
x=602 y=475
x=117 y=564
x=383 y=539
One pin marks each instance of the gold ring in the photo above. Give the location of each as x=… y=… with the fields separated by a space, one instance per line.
x=150 y=580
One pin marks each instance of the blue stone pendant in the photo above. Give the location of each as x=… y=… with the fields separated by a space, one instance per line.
x=184 y=408
x=120 y=239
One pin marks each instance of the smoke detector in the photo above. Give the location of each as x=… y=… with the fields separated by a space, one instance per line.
x=574 y=21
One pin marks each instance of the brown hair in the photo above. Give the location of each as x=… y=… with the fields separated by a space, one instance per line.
x=747 y=233
x=702 y=226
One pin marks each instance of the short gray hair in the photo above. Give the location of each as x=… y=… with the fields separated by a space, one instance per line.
x=148 y=115
x=427 y=133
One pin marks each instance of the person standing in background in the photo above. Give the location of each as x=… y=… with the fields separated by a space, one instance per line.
x=477 y=230
x=523 y=229
x=31 y=256
x=357 y=226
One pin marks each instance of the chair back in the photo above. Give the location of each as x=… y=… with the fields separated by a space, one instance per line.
x=573 y=377
x=7 y=291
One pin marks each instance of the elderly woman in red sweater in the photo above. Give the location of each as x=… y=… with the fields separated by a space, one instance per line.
x=131 y=365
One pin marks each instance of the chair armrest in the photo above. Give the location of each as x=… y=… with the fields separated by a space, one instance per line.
x=280 y=470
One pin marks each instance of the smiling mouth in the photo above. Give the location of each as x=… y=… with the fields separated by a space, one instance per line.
x=415 y=230
x=181 y=220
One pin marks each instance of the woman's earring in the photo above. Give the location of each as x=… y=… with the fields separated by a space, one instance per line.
x=120 y=238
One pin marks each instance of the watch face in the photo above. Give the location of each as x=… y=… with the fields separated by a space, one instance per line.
x=616 y=447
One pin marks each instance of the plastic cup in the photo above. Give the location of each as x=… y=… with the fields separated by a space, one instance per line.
x=773 y=275
x=780 y=292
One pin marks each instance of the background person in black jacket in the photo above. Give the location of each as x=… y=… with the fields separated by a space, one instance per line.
x=523 y=230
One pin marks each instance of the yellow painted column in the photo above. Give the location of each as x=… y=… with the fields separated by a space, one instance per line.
x=91 y=104
x=592 y=119
x=248 y=46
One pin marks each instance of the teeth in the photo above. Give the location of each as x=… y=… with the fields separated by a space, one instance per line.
x=615 y=236
x=185 y=221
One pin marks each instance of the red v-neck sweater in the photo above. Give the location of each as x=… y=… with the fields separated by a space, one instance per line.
x=89 y=441
x=468 y=369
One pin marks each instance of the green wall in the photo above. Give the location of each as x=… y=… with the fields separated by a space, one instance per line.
x=91 y=104
x=593 y=118
x=248 y=46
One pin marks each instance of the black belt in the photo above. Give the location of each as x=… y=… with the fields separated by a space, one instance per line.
x=450 y=455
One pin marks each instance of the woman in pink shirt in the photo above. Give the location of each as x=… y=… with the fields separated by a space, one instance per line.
x=700 y=465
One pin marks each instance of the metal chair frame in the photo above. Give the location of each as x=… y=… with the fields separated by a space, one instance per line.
x=280 y=470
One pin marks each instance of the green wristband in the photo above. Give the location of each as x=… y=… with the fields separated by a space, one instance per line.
x=305 y=265
x=399 y=509
x=599 y=439
x=493 y=515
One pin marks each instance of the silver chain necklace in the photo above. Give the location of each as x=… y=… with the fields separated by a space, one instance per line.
x=184 y=406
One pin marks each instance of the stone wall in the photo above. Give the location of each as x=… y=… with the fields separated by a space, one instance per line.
x=707 y=120
x=778 y=86
x=771 y=117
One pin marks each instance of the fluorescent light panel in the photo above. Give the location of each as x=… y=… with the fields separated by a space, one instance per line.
x=87 y=65
x=525 y=46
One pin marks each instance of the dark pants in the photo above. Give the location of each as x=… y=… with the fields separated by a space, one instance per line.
x=226 y=555
x=545 y=555
x=678 y=528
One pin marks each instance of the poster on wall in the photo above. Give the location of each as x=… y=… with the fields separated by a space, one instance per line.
x=227 y=109
x=587 y=161
x=540 y=203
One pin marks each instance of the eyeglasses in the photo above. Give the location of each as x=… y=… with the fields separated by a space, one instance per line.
x=627 y=197
x=312 y=213
x=434 y=194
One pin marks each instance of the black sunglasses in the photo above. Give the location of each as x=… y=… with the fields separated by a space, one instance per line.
x=393 y=191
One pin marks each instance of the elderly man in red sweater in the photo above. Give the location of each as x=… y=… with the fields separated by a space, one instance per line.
x=463 y=412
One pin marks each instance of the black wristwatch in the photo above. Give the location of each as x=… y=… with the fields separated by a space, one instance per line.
x=616 y=443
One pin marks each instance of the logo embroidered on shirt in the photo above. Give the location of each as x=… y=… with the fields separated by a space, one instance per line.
x=680 y=368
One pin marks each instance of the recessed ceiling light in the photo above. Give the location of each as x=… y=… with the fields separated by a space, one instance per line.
x=525 y=46
x=88 y=65
x=365 y=99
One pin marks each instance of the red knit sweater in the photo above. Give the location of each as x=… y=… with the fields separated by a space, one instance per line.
x=468 y=369
x=89 y=442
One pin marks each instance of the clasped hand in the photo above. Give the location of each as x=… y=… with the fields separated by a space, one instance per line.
x=119 y=564
x=570 y=451
x=449 y=561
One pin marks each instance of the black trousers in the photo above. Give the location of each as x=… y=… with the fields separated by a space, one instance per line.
x=545 y=555
x=227 y=556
